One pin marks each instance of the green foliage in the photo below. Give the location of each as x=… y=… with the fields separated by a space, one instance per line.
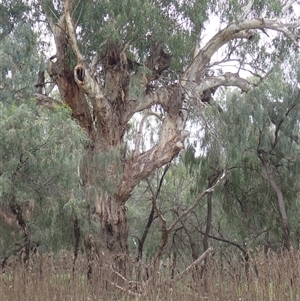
x=12 y=12
x=265 y=119
x=138 y=23
x=18 y=71
x=39 y=155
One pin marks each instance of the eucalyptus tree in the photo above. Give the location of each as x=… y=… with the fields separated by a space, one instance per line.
x=115 y=59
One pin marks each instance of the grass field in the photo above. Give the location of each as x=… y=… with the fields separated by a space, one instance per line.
x=267 y=277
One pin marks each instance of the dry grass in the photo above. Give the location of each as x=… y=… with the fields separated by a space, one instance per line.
x=269 y=277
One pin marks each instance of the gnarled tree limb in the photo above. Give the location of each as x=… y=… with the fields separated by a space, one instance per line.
x=231 y=32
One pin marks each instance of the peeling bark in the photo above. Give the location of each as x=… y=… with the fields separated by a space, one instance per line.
x=60 y=71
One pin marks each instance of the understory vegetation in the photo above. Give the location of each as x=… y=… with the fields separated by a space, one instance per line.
x=265 y=277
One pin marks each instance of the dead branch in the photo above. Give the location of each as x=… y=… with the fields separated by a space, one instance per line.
x=200 y=197
x=193 y=264
x=167 y=230
x=128 y=291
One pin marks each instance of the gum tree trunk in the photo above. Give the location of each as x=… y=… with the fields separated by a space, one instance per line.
x=108 y=175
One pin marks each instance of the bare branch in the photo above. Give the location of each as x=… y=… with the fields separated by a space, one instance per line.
x=228 y=79
x=71 y=31
x=232 y=32
x=126 y=290
x=140 y=132
x=200 y=197
x=193 y=264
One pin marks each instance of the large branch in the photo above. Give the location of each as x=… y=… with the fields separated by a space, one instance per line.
x=227 y=79
x=232 y=32
x=82 y=76
x=71 y=31
x=140 y=131
x=143 y=165
x=61 y=74
x=169 y=144
x=159 y=96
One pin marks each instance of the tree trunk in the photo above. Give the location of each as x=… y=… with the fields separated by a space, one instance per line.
x=211 y=181
x=145 y=233
x=281 y=205
x=104 y=109
x=115 y=232
x=76 y=231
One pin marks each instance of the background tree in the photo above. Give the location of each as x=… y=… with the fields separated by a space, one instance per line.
x=246 y=212
x=269 y=120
